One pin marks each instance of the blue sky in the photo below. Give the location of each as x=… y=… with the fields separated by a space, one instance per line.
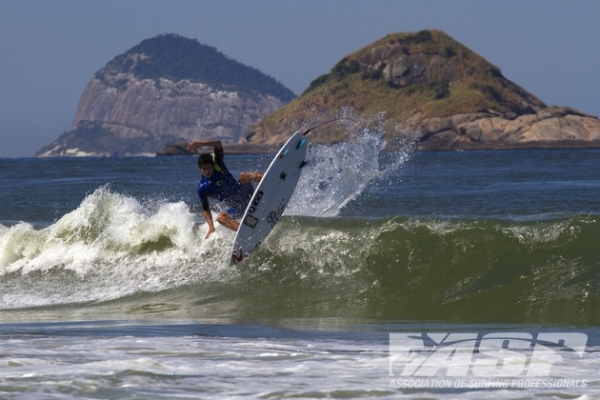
x=49 y=50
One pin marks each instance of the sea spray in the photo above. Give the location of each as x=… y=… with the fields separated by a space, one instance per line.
x=337 y=174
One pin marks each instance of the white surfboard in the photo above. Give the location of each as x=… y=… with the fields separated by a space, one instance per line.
x=271 y=197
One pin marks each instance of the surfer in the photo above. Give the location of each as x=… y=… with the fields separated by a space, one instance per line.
x=218 y=183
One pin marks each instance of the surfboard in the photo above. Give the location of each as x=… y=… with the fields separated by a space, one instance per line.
x=271 y=196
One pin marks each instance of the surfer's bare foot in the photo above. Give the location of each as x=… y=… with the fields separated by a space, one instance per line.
x=210 y=230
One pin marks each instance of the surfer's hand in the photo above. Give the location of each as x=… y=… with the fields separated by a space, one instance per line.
x=194 y=146
x=210 y=230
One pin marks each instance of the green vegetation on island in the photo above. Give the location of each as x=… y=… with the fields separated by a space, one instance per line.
x=426 y=74
x=457 y=81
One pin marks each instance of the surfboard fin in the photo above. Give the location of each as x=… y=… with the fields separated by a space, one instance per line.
x=303 y=164
x=284 y=153
x=301 y=143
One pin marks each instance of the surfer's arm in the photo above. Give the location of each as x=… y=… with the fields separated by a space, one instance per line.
x=212 y=143
x=206 y=210
x=220 y=159
x=209 y=220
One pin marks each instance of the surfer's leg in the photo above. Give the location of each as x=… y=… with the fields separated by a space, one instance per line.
x=247 y=178
x=226 y=220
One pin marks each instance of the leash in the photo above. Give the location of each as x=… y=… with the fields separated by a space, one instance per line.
x=327 y=122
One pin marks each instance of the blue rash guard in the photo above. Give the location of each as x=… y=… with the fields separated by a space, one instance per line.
x=224 y=187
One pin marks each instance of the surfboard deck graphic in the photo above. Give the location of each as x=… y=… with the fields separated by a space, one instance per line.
x=271 y=197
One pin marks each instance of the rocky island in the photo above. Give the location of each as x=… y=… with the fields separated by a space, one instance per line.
x=167 y=89
x=434 y=90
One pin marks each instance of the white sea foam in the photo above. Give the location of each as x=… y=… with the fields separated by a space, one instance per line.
x=228 y=366
x=108 y=247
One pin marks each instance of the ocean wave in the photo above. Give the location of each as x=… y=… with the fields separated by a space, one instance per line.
x=150 y=257
x=457 y=270
x=113 y=247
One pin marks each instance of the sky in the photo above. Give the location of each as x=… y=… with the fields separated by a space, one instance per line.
x=49 y=50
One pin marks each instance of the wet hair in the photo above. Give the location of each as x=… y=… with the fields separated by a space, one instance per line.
x=205 y=159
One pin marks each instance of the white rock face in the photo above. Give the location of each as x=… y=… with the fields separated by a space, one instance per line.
x=183 y=109
x=552 y=127
x=165 y=90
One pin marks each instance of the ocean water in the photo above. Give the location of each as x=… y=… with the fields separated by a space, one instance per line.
x=391 y=275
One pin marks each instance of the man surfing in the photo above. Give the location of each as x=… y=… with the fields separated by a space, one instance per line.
x=218 y=183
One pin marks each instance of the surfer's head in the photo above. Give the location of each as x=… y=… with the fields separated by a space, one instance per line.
x=206 y=165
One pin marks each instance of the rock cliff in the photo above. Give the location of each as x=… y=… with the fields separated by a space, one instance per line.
x=435 y=90
x=164 y=90
x=551 y=127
